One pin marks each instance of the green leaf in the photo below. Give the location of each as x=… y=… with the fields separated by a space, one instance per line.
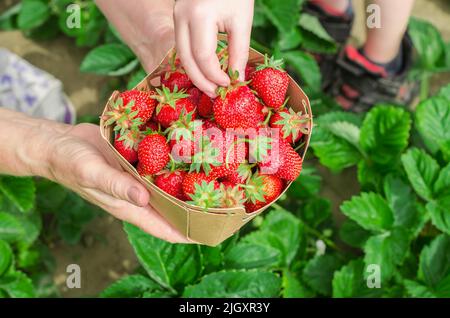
x=346 y=131
x=236 y=284
x=370 y=210
x=7 y=18
x=108 y=59
x=353 y=234
x=349 y=282
x=281 y=231
x=314 y=36
x=72 y=216
x=387 y=250
x=33 y=13
x=249 y=255
x=316 y=211
x=433 y=121
x=385 y=133
x=422 y=171
x=6 y=257
x=11 y=229
x=132 y=286
x=136 y=78
x=434 y=262
x=313 y=25
x=292 y=287
x=417 y=290
x=401 y=200
x=283 y=15
x=333 y=147
x=17 y=285
x=428 y=42
x=318 y=273
x=21 y=191
x=440 y=213
x=170 y=265
x=305 y=65
x=308 y=186
x=442 y=184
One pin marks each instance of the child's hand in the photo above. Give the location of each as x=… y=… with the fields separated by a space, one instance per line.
x=197 y=23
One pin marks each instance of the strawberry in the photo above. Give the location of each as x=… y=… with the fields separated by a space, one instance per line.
x=205 y=106
x=262 y=190
x=191 y=179
x=271 y=82
x=172 y=183
x=206 y=195
x=292 y=125
x=150 y=126
x=220 y=153
x=171 y=105
x=153 y=154
x=249 y=70
x=291 y=163
x=123 y=116
x=141 y=101
x=194 y=95
x=236 y=106
x=127 y=144
x=182 y=135
x=175 y=76
x=239 y=176
x=232 y=195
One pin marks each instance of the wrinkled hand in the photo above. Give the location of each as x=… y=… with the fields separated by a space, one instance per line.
x=197 y=23
x=81 y=161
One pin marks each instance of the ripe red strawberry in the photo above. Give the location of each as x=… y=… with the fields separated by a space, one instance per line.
x=220 y=153
x=153 y=154
x=142 y=102
x=249 y=70
x=127 y=150
x=271 y=82
x=175 y=76
x=239 y=176
x=205 y=106
x=194 y=95
x=232 y=195
x=237 y=107
x=150 y=126
x=292 y=125
x=267 y=186
x=291 y=163
x=183 y=136
x=171 y=105
x=127 y=145
x=206 y=195
x=172 y=183
x=193 y=178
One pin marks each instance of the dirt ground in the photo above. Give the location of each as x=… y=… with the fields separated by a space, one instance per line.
x=105 y=254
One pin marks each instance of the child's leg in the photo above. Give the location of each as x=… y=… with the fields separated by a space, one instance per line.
x=333 y=7
x=383 y=44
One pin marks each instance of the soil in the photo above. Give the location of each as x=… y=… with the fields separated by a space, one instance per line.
x=105 y=254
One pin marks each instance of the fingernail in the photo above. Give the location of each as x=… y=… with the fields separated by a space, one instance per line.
x=134 y=195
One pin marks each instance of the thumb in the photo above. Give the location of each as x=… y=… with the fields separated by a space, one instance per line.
x=121 y=185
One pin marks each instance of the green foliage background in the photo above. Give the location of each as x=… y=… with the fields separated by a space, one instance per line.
x=400 y=220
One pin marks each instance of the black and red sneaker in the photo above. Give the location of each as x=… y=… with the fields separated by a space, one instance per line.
x=359 y=83
x=339 y=26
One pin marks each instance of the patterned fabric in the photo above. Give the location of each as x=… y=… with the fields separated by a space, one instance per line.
x=27 y=89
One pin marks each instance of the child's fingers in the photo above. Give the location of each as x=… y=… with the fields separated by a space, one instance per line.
x=239 y=42
x=204 y=44
x=183 y=46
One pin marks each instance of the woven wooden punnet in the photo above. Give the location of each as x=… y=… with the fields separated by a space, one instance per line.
x=216 y=225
